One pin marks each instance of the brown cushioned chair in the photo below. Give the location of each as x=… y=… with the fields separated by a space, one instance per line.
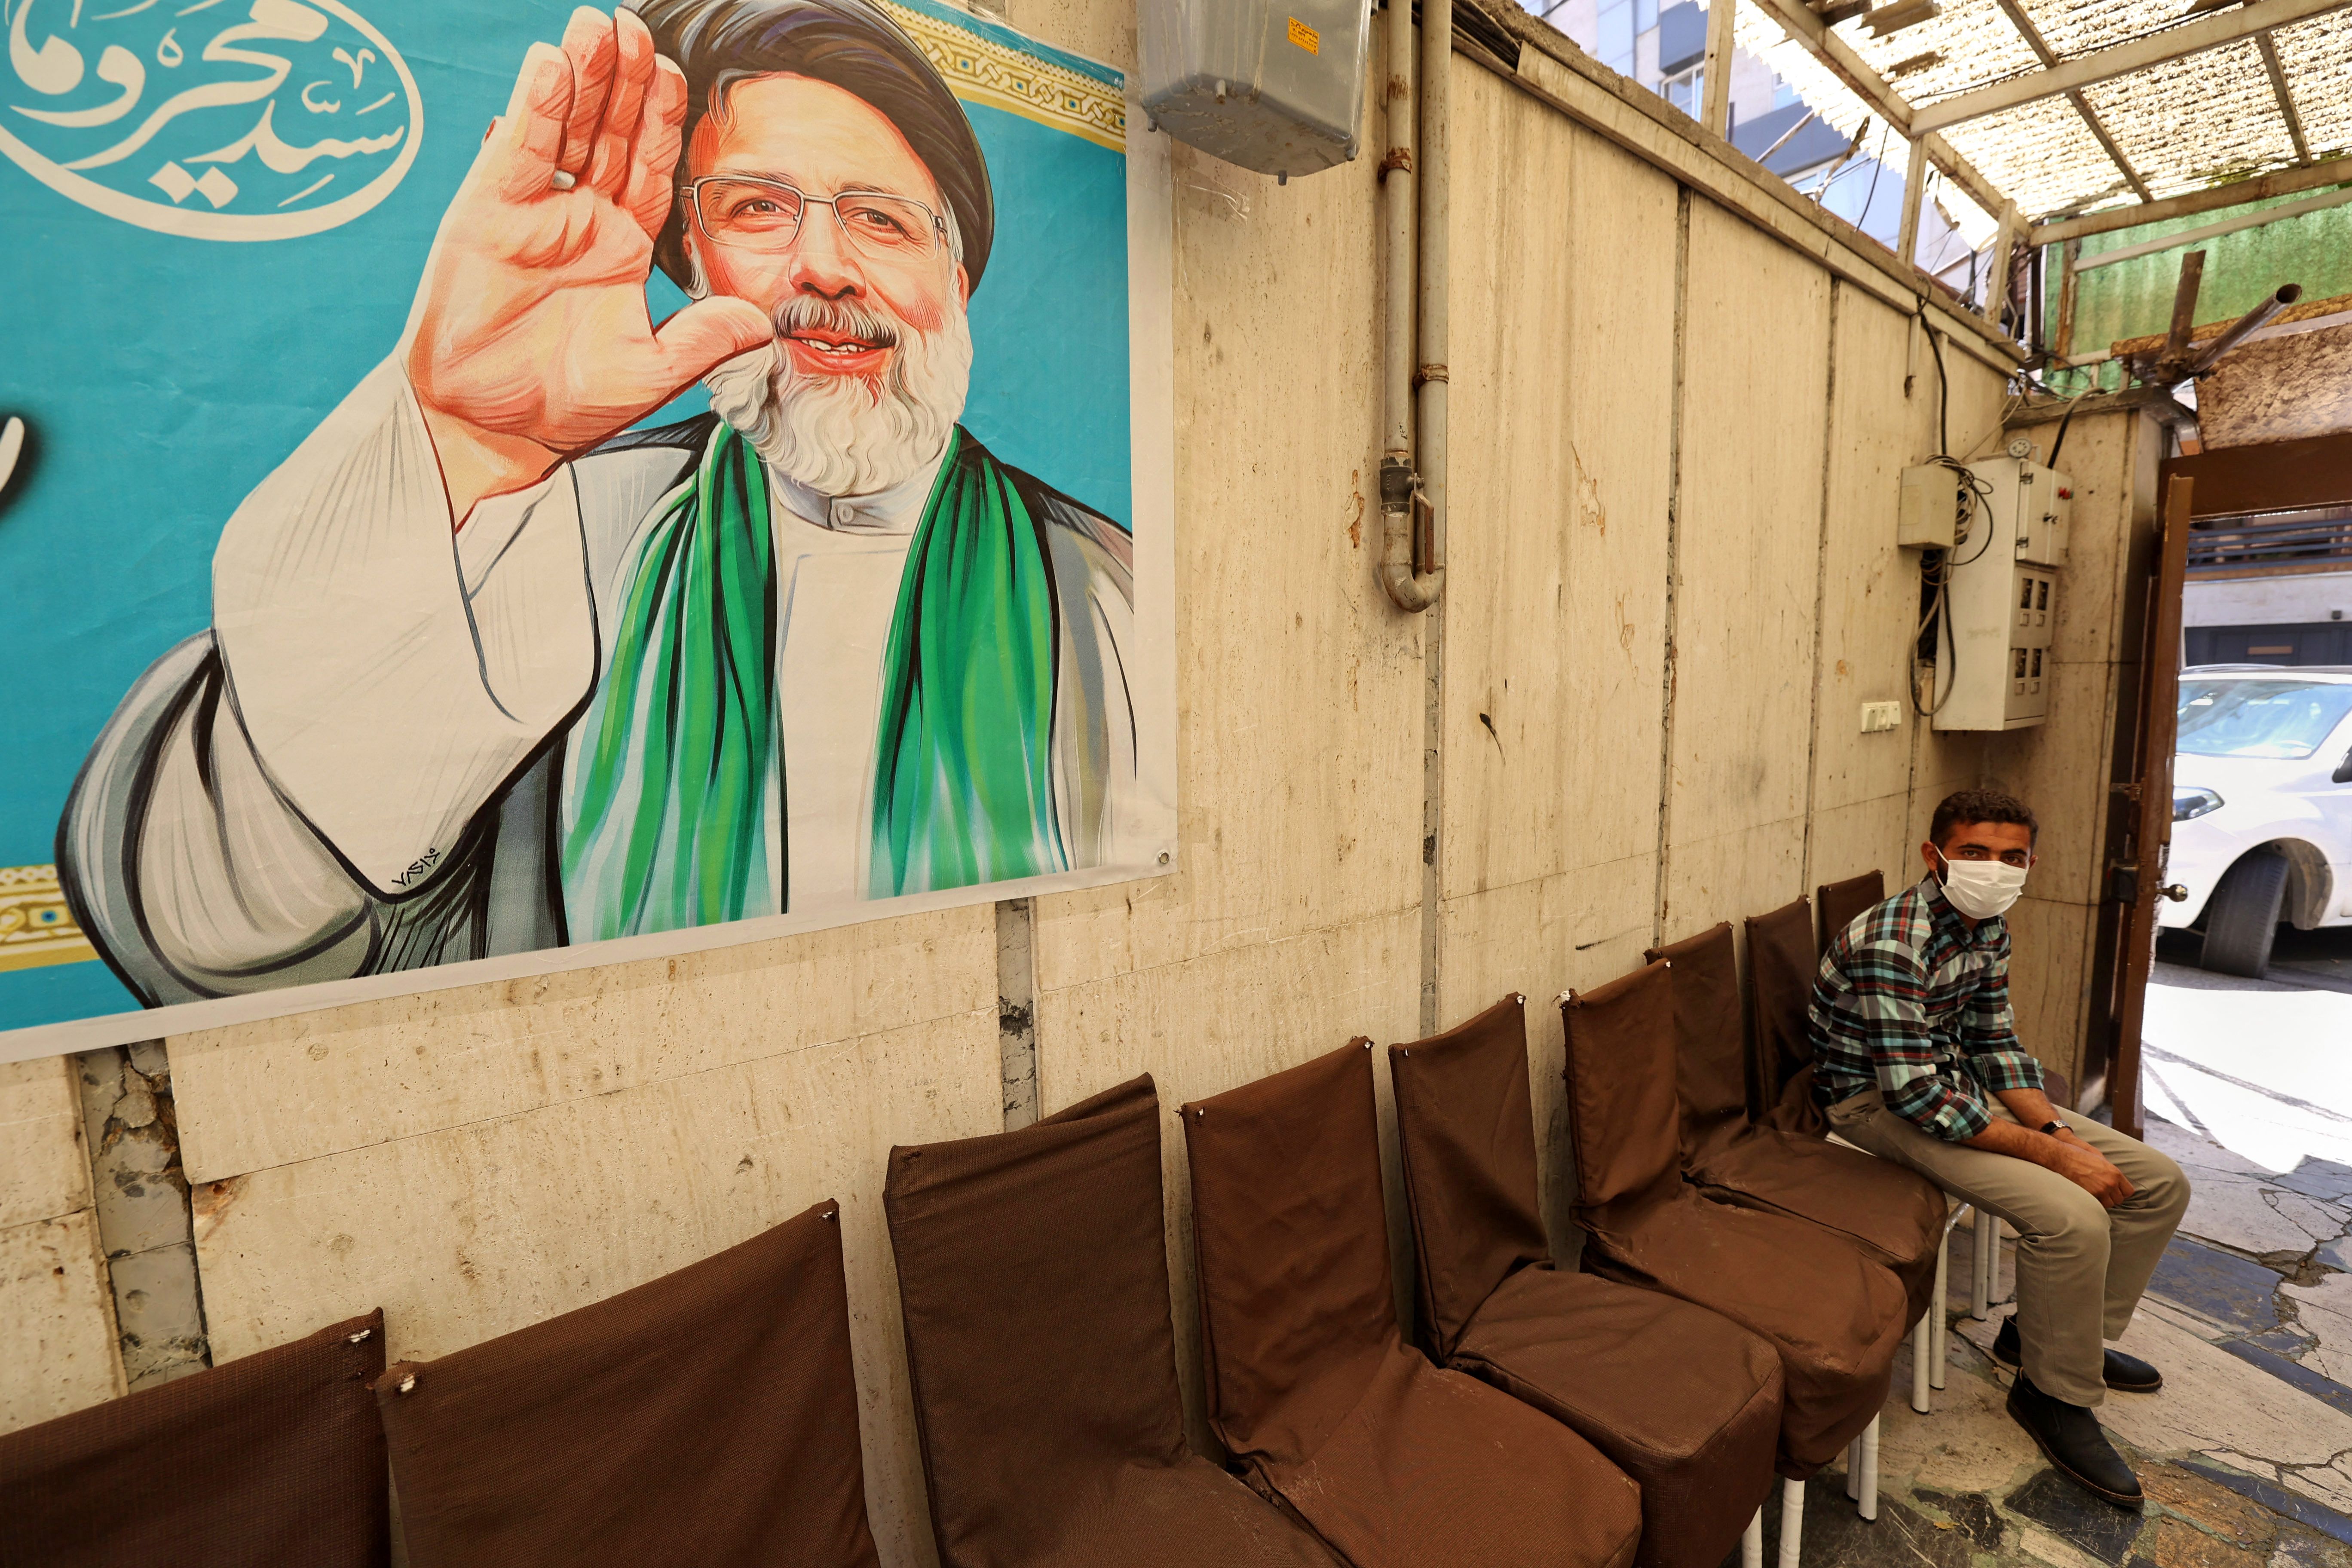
x=1394 y=1463
x=1894 y=1214
x=1685 y=1402
x=272 y=1458
x=1783 y=957
x=1032 y=1268
x=1835 y=1316
x=1843 y=902
x=708 y=1416
x=1781 y=963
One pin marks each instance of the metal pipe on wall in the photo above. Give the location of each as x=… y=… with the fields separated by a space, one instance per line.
x=1415 y=578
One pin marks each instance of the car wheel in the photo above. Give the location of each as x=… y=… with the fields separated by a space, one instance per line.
x=2243 y=916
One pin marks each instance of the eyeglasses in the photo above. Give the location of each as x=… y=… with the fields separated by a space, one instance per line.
x=757 y=214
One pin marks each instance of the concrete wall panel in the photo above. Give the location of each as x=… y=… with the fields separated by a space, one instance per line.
x=44 y=1166
x=1560 y=480
x=314 y=1084
x=1870 y=591
x=1299 y=688
x=1755 y=392
x=59 y=1322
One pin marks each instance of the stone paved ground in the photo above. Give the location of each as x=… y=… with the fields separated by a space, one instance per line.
x=2247 y=1453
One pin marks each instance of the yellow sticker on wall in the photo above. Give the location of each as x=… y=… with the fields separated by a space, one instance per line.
x=1305 y=37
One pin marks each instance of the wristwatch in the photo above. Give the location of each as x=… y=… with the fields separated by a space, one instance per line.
x=2053 y=1128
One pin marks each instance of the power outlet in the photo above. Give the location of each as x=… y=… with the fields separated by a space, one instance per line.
x=1880 y=717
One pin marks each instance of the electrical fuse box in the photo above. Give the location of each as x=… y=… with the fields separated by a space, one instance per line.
x=1994 y=669
x=1277 y=86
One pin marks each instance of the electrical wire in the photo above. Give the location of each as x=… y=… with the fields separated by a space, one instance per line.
x=2058 y=442
x=1969 y=494
x=1877 y=166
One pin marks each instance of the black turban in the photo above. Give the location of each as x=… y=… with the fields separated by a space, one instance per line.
x=855 y=46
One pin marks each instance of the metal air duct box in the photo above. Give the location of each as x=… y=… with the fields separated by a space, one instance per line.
x=1277 y=86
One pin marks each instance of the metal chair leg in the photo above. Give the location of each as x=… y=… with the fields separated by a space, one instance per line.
x=1940 y=1317
x=1751 y=1541
x=1980 y=1270
x=1993 y=1232
x=1869 y=1445
x=1923 y=1349
x=1854 y=1470
x=1792 y=1521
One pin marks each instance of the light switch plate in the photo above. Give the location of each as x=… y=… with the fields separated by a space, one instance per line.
x=1878 y=717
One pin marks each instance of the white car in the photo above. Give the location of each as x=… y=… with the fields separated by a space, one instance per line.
x=2262 y=807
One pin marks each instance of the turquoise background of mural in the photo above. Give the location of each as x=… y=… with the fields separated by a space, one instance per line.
x=164 y=377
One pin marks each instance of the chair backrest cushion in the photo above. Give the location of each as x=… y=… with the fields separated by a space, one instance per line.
x=1781 y=964
x=1711 y=1067
x=1465 y=1125
x=1291 y=1243
x=273 y=1458
x=1621 y=1101
x=1033 y=1271
x=1844 y=902
x=709 y=1416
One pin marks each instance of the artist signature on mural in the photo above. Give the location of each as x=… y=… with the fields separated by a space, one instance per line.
x=235 y=120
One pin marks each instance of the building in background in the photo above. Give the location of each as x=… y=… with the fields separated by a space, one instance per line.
x=1665 y=49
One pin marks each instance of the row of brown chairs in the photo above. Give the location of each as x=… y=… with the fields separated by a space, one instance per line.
x=707 y=1416
x=1633 y=1413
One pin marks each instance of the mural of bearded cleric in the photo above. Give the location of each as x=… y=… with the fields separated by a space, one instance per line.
x=488 y=674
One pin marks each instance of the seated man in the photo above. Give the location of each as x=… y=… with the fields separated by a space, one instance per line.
x=1917 y=1060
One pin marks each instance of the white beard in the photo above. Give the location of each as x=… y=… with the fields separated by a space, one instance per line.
x=847 y=435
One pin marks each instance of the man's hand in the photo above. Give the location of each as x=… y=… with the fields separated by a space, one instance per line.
x=531 y=338
x=2063 y=1153
x=2088 y=1169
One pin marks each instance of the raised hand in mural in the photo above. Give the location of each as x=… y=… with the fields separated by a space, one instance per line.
x=530 y=340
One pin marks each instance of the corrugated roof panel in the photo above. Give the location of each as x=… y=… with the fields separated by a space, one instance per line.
x=2183 y=125
x=2040 y=155
x=2189 y=124
x=2078 y=27
x=1973 y=42
x=2317 y=56
x=1815 y=83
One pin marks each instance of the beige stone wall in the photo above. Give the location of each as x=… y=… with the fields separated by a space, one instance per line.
x=57 y=1315
x=1675 y=447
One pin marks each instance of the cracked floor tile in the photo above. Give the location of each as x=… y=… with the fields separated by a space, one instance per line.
x=2325 y=1313
x=2244 y=1213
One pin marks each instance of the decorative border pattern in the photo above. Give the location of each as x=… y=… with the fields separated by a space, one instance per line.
x=35 y=926
x=980 y=69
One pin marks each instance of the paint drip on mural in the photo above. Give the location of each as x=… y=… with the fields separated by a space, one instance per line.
x=704 y=497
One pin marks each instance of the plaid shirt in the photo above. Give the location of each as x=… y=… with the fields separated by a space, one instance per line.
x=1912 y=1002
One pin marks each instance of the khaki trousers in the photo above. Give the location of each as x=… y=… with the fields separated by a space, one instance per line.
x=2080 y=1268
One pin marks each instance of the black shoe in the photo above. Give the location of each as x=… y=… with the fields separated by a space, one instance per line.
x=2070 y=1438
x=2124 y=1373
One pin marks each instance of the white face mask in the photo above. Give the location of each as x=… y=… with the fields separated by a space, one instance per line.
x=1981 y=889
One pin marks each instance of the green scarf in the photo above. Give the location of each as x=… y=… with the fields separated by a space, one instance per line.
x=676 y=770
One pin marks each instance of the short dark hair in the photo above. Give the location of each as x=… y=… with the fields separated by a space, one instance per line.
x=853 y=45
x=1964 y=807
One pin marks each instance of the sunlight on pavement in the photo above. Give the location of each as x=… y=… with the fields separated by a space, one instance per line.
x=2264 y=1070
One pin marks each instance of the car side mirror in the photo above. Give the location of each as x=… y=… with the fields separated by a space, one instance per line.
x=2343 y=774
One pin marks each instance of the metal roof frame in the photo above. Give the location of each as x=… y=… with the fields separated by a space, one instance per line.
x=2262 y=187
x=2255 y=19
